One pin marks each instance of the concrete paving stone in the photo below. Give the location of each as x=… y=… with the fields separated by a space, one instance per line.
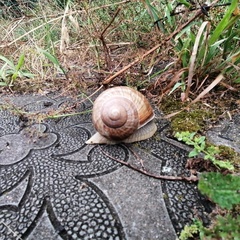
x=54 y=186
x=227 y=133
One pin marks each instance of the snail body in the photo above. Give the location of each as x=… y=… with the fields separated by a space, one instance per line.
x=122 y=114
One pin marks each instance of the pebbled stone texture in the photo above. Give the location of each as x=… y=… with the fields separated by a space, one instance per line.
x=54 y=186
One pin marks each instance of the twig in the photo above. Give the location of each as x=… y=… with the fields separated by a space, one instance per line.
x=192 y=178
x=137 y=157
x=105 y=47
x=203 y=8
x=110 y=23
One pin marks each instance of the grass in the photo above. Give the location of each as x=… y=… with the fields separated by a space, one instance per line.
x=104 y=36
x=78 y=37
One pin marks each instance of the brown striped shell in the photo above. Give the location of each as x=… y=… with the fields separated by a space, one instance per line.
x=118 y=114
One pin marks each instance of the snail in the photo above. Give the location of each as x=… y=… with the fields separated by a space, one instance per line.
x=122 y=114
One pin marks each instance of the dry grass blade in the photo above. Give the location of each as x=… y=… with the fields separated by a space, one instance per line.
x=11 y=28
x=193 y=58
x=172 y=114
x=32 y=30
x=57 y=18
x=74 y=21
x=208 y=89
x=64 y=41
x=201 y=95
x=191 y=178
x=101 y=37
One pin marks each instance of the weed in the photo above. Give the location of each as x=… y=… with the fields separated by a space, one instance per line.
x=199 y=144
x=189 y=231
x=222 y=189
x=223 y=227
x=53 y=59
x=205 y=48
x=10 y=72
x=211 y=52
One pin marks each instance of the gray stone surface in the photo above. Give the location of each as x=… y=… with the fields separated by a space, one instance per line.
x=227 y=133
x=54 y=186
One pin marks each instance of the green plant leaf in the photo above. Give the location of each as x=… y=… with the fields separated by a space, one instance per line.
x=185 y=3
x=224 y=164
x=14 y=76
x=176 y=86
x=180 y=35
x=20 y=62
x=154 y=14
x=27 y=74
x=3 y=72
x=223 y=227
x=191 y=135
x=223 y=23
x=199 y=144
x=11 y=64
x=209 y=156
x=3 y=84
x=200 y=140
x=193 y=153
x=213 y=150
x=52 y=59
x=222 y=189
x=188 y=232
x=237 y=80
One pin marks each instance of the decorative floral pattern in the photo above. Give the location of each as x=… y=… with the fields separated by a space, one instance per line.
x=47 y=173
x=38 y=155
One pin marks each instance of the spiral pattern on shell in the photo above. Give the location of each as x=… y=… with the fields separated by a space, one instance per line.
x=118 y=112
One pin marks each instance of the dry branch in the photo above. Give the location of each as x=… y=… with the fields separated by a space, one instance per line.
x=192 y=178
x=105 y=47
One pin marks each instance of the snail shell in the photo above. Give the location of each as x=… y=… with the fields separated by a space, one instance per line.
x=122 y=114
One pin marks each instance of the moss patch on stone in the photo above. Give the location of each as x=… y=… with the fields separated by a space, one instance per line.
x=227 y=153
x=193 y=120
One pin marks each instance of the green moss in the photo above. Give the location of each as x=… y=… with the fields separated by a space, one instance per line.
x=193 y=120
x=170 y=105
x=229 y=154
